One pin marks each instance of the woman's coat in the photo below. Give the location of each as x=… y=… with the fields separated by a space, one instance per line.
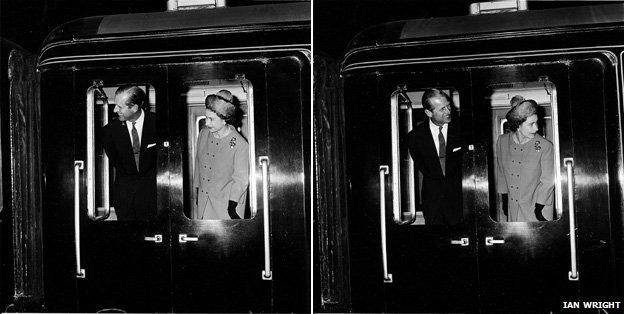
x=221 y=174
x=525 y=172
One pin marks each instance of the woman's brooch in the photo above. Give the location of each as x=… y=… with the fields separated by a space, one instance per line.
x=537 y=146
x=233 y=142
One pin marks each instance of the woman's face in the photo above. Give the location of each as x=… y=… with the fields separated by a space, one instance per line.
x=529 y=127
x=213 y=122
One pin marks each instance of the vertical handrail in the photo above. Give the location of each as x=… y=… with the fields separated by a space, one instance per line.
x=383 y=171
x=78 y=165
x=90 y=164
x=411 y=177
x=266 y=273
x=573 y=274
x=396 y=167
x=252 y=146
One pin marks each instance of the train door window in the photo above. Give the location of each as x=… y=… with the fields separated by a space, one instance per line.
x=525 y=152
x=121 y=184
x=429 y=158
x=221 y=148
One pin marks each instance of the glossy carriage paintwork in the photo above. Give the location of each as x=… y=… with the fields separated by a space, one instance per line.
x=122 y=270
x=505 y=50
x=160 y=277
x=278 y=113
x=416 y=280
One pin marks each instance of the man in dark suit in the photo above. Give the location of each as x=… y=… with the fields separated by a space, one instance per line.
x=130 y=143
x=435 y=147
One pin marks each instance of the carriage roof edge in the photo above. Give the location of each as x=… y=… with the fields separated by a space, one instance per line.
x=109 y=28
x=423 y=30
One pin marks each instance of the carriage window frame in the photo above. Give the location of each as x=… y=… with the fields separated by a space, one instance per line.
x=93 y=211
x=551 y=90
x=251 y=140
x=415 y=217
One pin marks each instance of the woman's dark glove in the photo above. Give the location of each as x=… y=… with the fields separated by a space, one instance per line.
x=232 y=210
x=505 y=200
x=538 y=212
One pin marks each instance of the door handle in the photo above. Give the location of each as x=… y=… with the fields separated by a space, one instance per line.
x=157 y=238
x=573 y=274
x=491 y=241
x=462 y=242
x=183 y=238
x=383 y=171
x=78 y=165
x=266 y=273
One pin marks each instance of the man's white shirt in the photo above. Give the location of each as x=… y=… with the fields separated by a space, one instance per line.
x=138 y=125
x=435 y=130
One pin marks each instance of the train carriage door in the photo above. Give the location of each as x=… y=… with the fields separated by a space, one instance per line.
x=112 y=210
x=424 y=242
x=534 y=257
x=251 y=257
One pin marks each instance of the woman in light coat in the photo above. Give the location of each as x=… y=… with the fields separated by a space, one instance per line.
x=525 y=174
x=221 y=175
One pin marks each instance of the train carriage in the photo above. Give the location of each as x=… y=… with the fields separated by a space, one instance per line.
x=568 y=60
x=169 y=261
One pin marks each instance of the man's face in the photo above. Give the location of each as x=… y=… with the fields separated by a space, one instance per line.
x=440 y=111
x=529 y=127
x=124 y=110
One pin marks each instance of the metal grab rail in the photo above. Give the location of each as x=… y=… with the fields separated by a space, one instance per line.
x=91 y=101
x=383 y=171
x=266 y=273
x=396 y=168
x=573 y=274
x=78 y=165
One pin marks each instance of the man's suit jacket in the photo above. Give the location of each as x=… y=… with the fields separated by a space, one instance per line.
x=441 y=193
x=134 y=192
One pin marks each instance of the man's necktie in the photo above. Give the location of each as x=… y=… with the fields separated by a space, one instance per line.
x=442 y=152
x=136 y=145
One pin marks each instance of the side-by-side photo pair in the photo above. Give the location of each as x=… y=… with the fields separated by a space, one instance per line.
x=325 y=156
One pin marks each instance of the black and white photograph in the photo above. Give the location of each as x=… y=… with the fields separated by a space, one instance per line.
x=154 y=156
x=470 y=156
x=311 y=156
